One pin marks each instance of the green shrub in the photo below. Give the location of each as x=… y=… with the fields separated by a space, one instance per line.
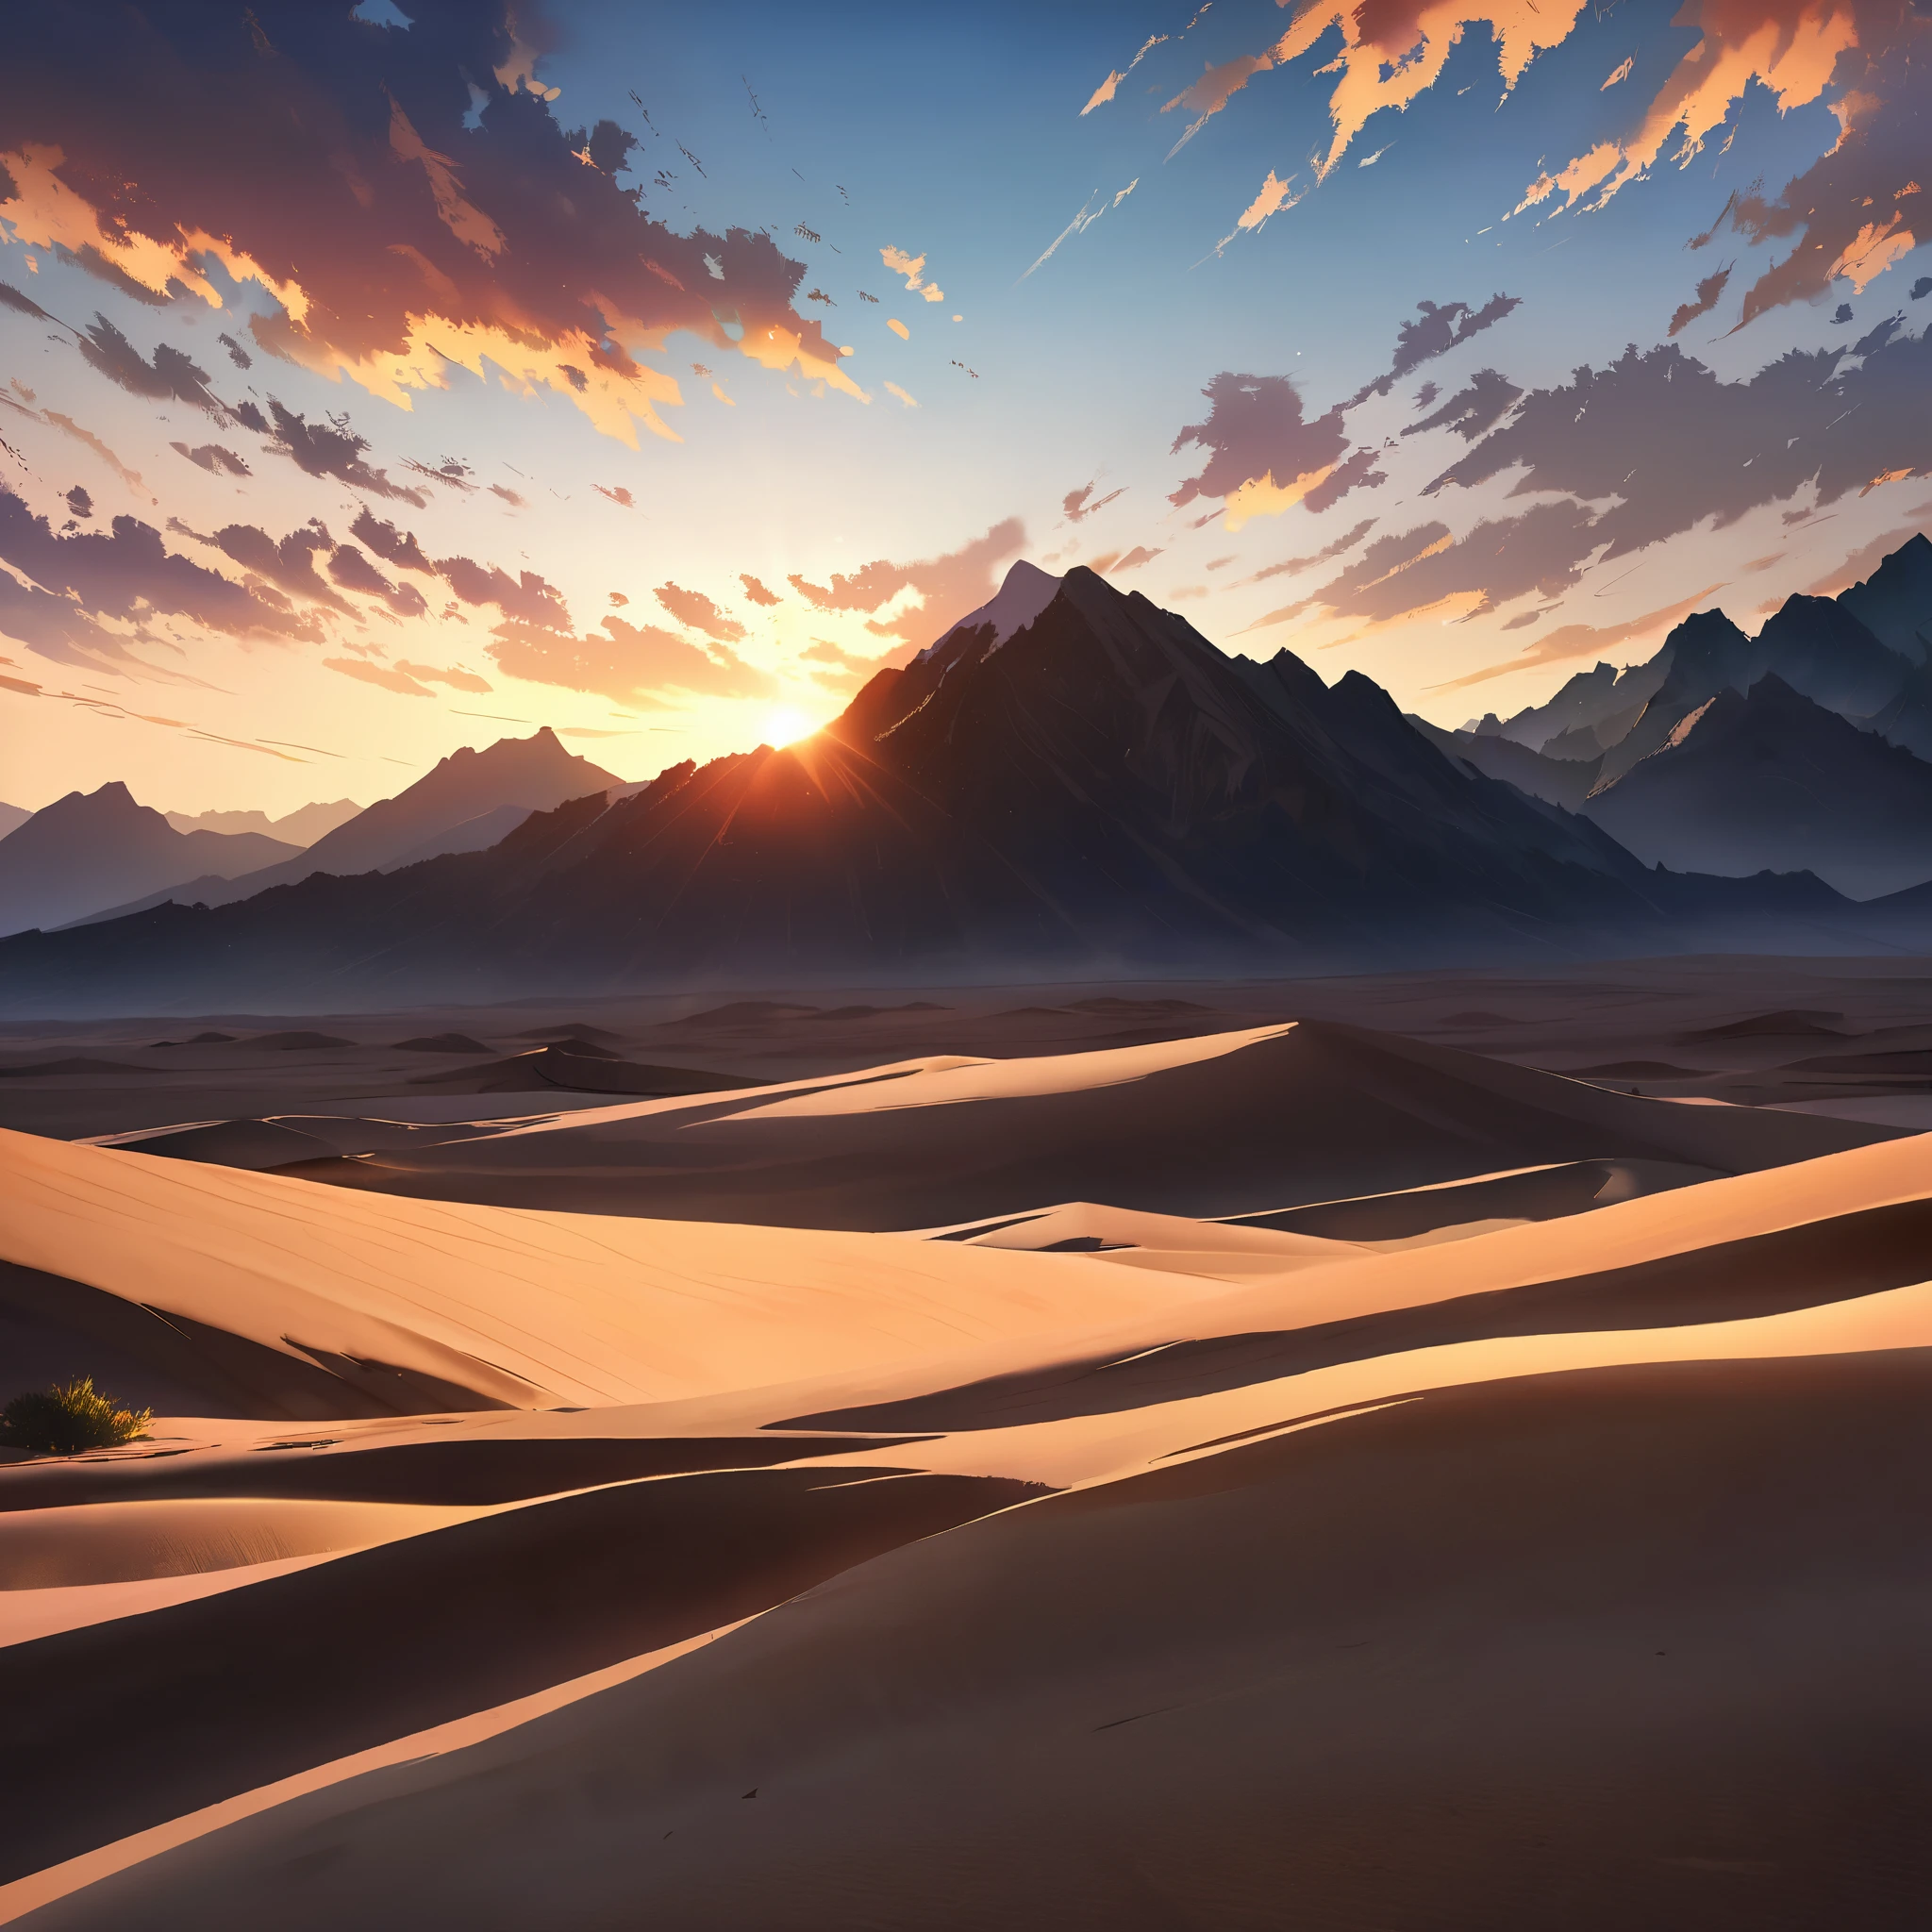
x=71 y=1416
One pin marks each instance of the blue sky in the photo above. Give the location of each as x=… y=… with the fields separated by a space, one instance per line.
x=329 y=190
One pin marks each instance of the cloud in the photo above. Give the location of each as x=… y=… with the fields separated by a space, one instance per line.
x=1389 y=55
x=410 y=680
x=1272 y=198
x=1295 y=565
x=1854 y=212
x=330 y=448
x=1667 y=444
x=509 y=496
x=79 y=503
x=171 y=376
x=844 y=671
x=912 y=266
x=128 y=575
x=1436 y=330
x=68 y=426
x=693 y=608
x=1136 y=558
x=1586 y=641
x=1077 y=505
x=1709 y=290
x=526 y=598
x=911 y=402
x=898 y=328
x=1264 y=456
x=1543 y=550
x=758 y=592
x=947 y=586
x=404 y=201
x=212 y=458
x=1103 y=93
x=629 y=664
x=1649 y=448
x=1474 y=410
x=619 y=495
x=290 y=565
x=12 y=299
x=392 y=545
x=353 y=571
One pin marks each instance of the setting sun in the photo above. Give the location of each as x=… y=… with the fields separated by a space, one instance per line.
x=784 y=724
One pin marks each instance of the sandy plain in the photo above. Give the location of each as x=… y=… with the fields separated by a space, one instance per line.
x=1302 y=1456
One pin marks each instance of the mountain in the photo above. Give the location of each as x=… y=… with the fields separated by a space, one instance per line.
x=91 y=849
x=1590 y=712
x=533 y=774
x=12 y=816
x=1089 y=786
x=1769 y=780
x=300 y=828
x=1857 y=659
x=1907 y=719
x=1895 y=603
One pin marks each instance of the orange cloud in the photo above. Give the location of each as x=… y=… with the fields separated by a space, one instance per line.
x=912 y=266
x=1742 y=40
x=392 y=246
x=1103 y=93
x=407 y=680
x=1389 y=55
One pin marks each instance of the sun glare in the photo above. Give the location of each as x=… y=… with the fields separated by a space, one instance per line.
x=784 y=724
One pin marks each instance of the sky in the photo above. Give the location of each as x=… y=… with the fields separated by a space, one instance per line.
x=383 y=378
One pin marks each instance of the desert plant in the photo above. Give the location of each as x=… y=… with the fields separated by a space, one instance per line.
x=71 y=1416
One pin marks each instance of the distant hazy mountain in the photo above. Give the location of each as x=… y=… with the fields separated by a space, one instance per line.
x=1590 y=711
x=92 y=849
x=438 y=813
x=12 y=815
x=1859 y=658
x=1070 y=778
x=1768 y=780
x=300 y=828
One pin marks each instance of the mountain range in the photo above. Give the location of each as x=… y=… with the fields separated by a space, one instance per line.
x=300 y=828
x=1808 y=745
x=466 y=803
x=1069 y=779
x=91 y=849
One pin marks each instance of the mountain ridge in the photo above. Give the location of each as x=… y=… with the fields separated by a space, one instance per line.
x=88 y=849
x=1099 y=789
x=533 y=773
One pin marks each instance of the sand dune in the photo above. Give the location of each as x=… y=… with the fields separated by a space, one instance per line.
x=125 y=1542
x=1641 y=1647
x=1090 y=1563
x=1239 y=1123
x=272 y=1297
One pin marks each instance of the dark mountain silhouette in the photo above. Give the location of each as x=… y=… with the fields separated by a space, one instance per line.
x=94 y=848
x=1769 y=780
x=1069 y=778
x=1907 y=719
x=1895 y=603
x=471 y=799
x=11 y=816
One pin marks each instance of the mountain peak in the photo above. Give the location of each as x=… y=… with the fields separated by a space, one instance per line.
x=1026 y=593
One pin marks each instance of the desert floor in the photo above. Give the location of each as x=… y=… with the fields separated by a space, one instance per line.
x=1437 y=1451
